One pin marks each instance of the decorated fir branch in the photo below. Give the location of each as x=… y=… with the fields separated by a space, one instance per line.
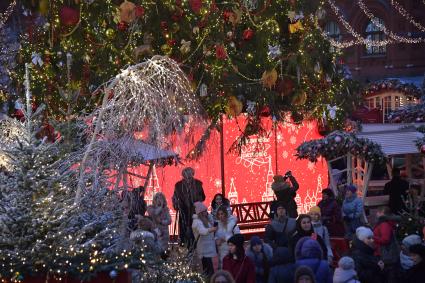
x=409 y=89
x=338 y=144
x=409 y=114
x=239 y=55
x=420 y=143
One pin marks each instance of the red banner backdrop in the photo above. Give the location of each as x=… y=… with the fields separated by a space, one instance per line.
x=248 y=176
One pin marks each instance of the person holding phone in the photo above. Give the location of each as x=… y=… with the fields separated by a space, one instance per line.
x=285 y=188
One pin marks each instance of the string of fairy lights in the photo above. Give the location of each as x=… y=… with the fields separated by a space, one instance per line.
x=407 y=15
x=7 y=13
x=392 y=37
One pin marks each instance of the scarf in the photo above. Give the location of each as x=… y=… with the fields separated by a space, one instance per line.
x=406 y=261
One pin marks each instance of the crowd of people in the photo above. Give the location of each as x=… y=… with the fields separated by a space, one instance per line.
x=295 y=248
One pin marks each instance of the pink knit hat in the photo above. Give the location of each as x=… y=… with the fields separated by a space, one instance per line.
x=199 y=207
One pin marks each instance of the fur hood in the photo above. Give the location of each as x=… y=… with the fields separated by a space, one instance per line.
x=308 y=248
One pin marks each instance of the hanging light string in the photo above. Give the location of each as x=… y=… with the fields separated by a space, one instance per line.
x=7 y=13
x=406 y=15
x=350 y=29
x=386 y=31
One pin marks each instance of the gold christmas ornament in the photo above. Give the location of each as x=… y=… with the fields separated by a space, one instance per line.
x=43 y=7
x=127 y=12
x=234 y=106
x=110 y=33
x=295 y=27
x=269 y=78
x=166 y=49
x=300 y=99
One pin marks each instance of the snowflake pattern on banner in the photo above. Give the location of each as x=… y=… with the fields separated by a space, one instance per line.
x=247 y=178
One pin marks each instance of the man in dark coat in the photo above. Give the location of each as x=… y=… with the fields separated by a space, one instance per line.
x=186 y=193
x=397 y=190
x=279 y=231
x=416 y=274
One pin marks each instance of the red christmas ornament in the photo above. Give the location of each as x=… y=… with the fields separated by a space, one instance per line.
x=69 y=16
x=164 y=25
x=171 y=42
x=227 y=15
x=423 y=149
x=122 y=26
x=195 y=5
x=220 y=52
x=265 y=112
x=140 y=11
x=248 y=34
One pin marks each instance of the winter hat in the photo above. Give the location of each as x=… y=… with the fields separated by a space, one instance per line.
x=304 y=270
x=280 y=204
x=345 y=271
x=351 y=188
x=278 y=178
x=308 y=248
x=346 y=263
x=199 y=207
x=411 y=240
x=328 y=192
x=255 y=240
x=237 y=240
x=418 y=249
x=362 y=233
x=314 y=210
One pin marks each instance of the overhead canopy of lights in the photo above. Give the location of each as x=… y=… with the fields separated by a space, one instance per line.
x=392 y=37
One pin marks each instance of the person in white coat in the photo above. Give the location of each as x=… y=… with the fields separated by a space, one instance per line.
x=227 y=227
x=203 y=230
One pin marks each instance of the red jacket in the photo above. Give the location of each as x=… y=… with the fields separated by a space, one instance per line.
x=243 y=270
x=382 y=234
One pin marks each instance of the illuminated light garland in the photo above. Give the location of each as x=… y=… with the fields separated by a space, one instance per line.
x=406 y=14
x=359 y=39
x=7 y=13
x=386 y=31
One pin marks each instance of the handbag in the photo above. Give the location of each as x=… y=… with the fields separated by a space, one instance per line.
x=390 y=253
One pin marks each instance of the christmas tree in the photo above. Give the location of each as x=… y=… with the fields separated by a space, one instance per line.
x=8 y=50
x=261 y=57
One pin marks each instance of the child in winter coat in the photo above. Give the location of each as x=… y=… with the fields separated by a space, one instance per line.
x=282 y=269
x=160 y=215
x=309 y=253
x=237 y=263
x=406 y=261
x=227 y=227
x=352 y=211
x=417 y=273
x=345 y=272
x=304 y=274
x=203 y=230
x=321 y=230
x=261 y=254
x=145 y=235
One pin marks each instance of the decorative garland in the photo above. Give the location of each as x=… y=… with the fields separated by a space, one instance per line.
x=392 y=84
x=339 y=143
x=409 y=114
x=420 y=143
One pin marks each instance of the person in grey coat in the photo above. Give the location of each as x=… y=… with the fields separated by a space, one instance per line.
x=279 y=231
